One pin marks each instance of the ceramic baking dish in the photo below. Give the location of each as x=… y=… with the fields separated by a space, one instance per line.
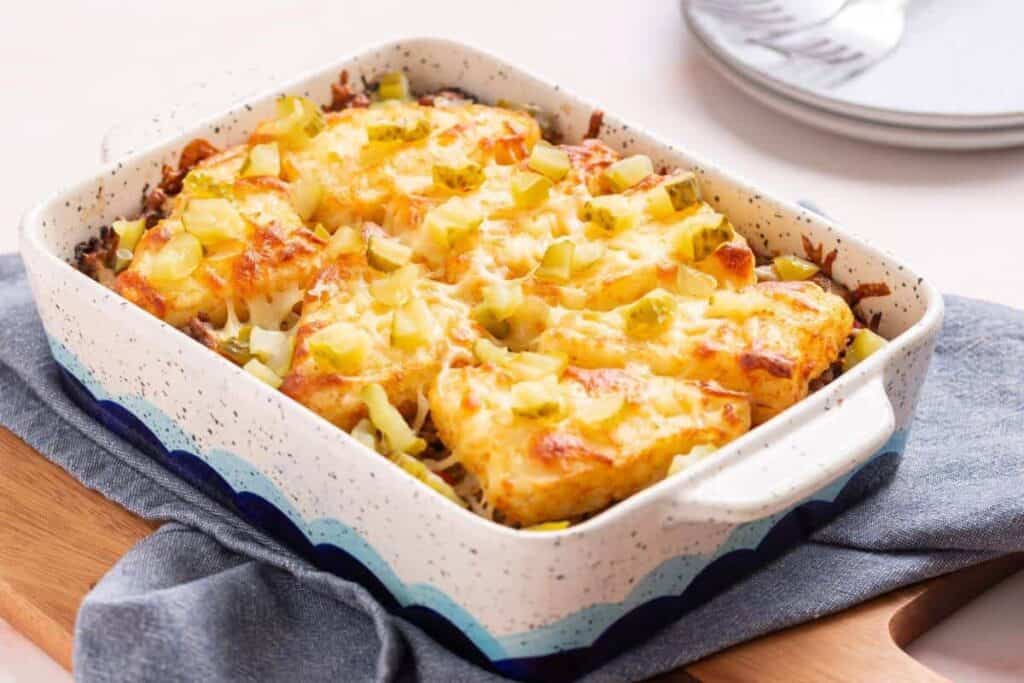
x=529 y=605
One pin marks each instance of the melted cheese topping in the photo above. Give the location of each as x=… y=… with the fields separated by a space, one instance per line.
x=429 y=194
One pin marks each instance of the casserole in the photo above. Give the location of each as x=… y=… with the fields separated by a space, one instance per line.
x=568 y=600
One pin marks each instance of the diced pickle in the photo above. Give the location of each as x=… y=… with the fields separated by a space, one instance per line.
x=529 y=190
x=345 y=240
x=273 y=347
x=452 y=221
x=129 y=232
x=697 y=237
x=501 y=301
x=412 y=325
x=659 y=203
x=263 y=160
x=236 y=349
x=791 y=267
x=393 y=86
x=402 y=130
x=504 y=298
x=321 y=232
x=397 y=287
x=602 y=409
x=306 y=194
x=214 y=220
x=650 y=315
x=122 y=259
x=365 y=433
x=340 y=347
x=397 y=434
x=548 y=526
x=537 y=398
x=610 y=213
x=692 y=282
x=529 y=320
x=261 y=372
x=458 y=176
x=865 y=343
x=684 y=460
x=625 y=173
x=199 y=184
x=683 y=191
x=586 y=254
x=387 y=254
x=177 y=259
x=298 y=120
x=423 y=473
x=497 y=327
x=556 y=264
x=549 y=161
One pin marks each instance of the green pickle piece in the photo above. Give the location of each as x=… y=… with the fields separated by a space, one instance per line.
x=789 y=267
x=387 y=254
x=393 y=85
x=610 y=213
x=129 y=232
x=625 y=173
x=412 y=325
x=650 y=315
x=339 y=347
x=262 y=160
x=700 y=235
x=451 y=222
x=407 y=130
x=529 y=190
x=537 y=399
x=261 y=372
x=298 y=121
x=213 y=220
x=864 y=344
x=458 y=176
x=549 y=161
x=659 y=203
x=306 y=194
x=421 y=472
x=397 y=434
x=683 y=191
x=397 y=287
x=177 y=259
x=556 y=264
x=273 y=347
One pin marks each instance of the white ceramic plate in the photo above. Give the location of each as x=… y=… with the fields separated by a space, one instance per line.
x=954 y=68
x=862 y=129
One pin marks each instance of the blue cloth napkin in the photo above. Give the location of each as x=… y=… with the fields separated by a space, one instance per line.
x=208 y=598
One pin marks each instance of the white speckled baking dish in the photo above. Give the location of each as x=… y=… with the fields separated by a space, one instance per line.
x=530 y=605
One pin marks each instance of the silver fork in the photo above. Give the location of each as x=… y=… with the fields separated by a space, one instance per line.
x=768 y=17
x=859 y=36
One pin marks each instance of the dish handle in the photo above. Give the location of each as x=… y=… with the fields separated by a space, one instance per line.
x=799 y=460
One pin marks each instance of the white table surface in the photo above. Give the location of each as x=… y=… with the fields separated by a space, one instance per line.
x=74 y=69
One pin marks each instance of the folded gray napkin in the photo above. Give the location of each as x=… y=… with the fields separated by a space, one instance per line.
x=208 y=598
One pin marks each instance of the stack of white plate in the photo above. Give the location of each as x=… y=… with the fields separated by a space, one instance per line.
x=954 y=82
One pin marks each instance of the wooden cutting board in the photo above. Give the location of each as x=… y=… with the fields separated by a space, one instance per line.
x=58 y=538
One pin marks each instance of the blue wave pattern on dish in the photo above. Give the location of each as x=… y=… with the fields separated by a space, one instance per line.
x=569 y=647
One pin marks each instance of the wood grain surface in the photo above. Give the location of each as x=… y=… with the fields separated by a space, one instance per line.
x=57 y=539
